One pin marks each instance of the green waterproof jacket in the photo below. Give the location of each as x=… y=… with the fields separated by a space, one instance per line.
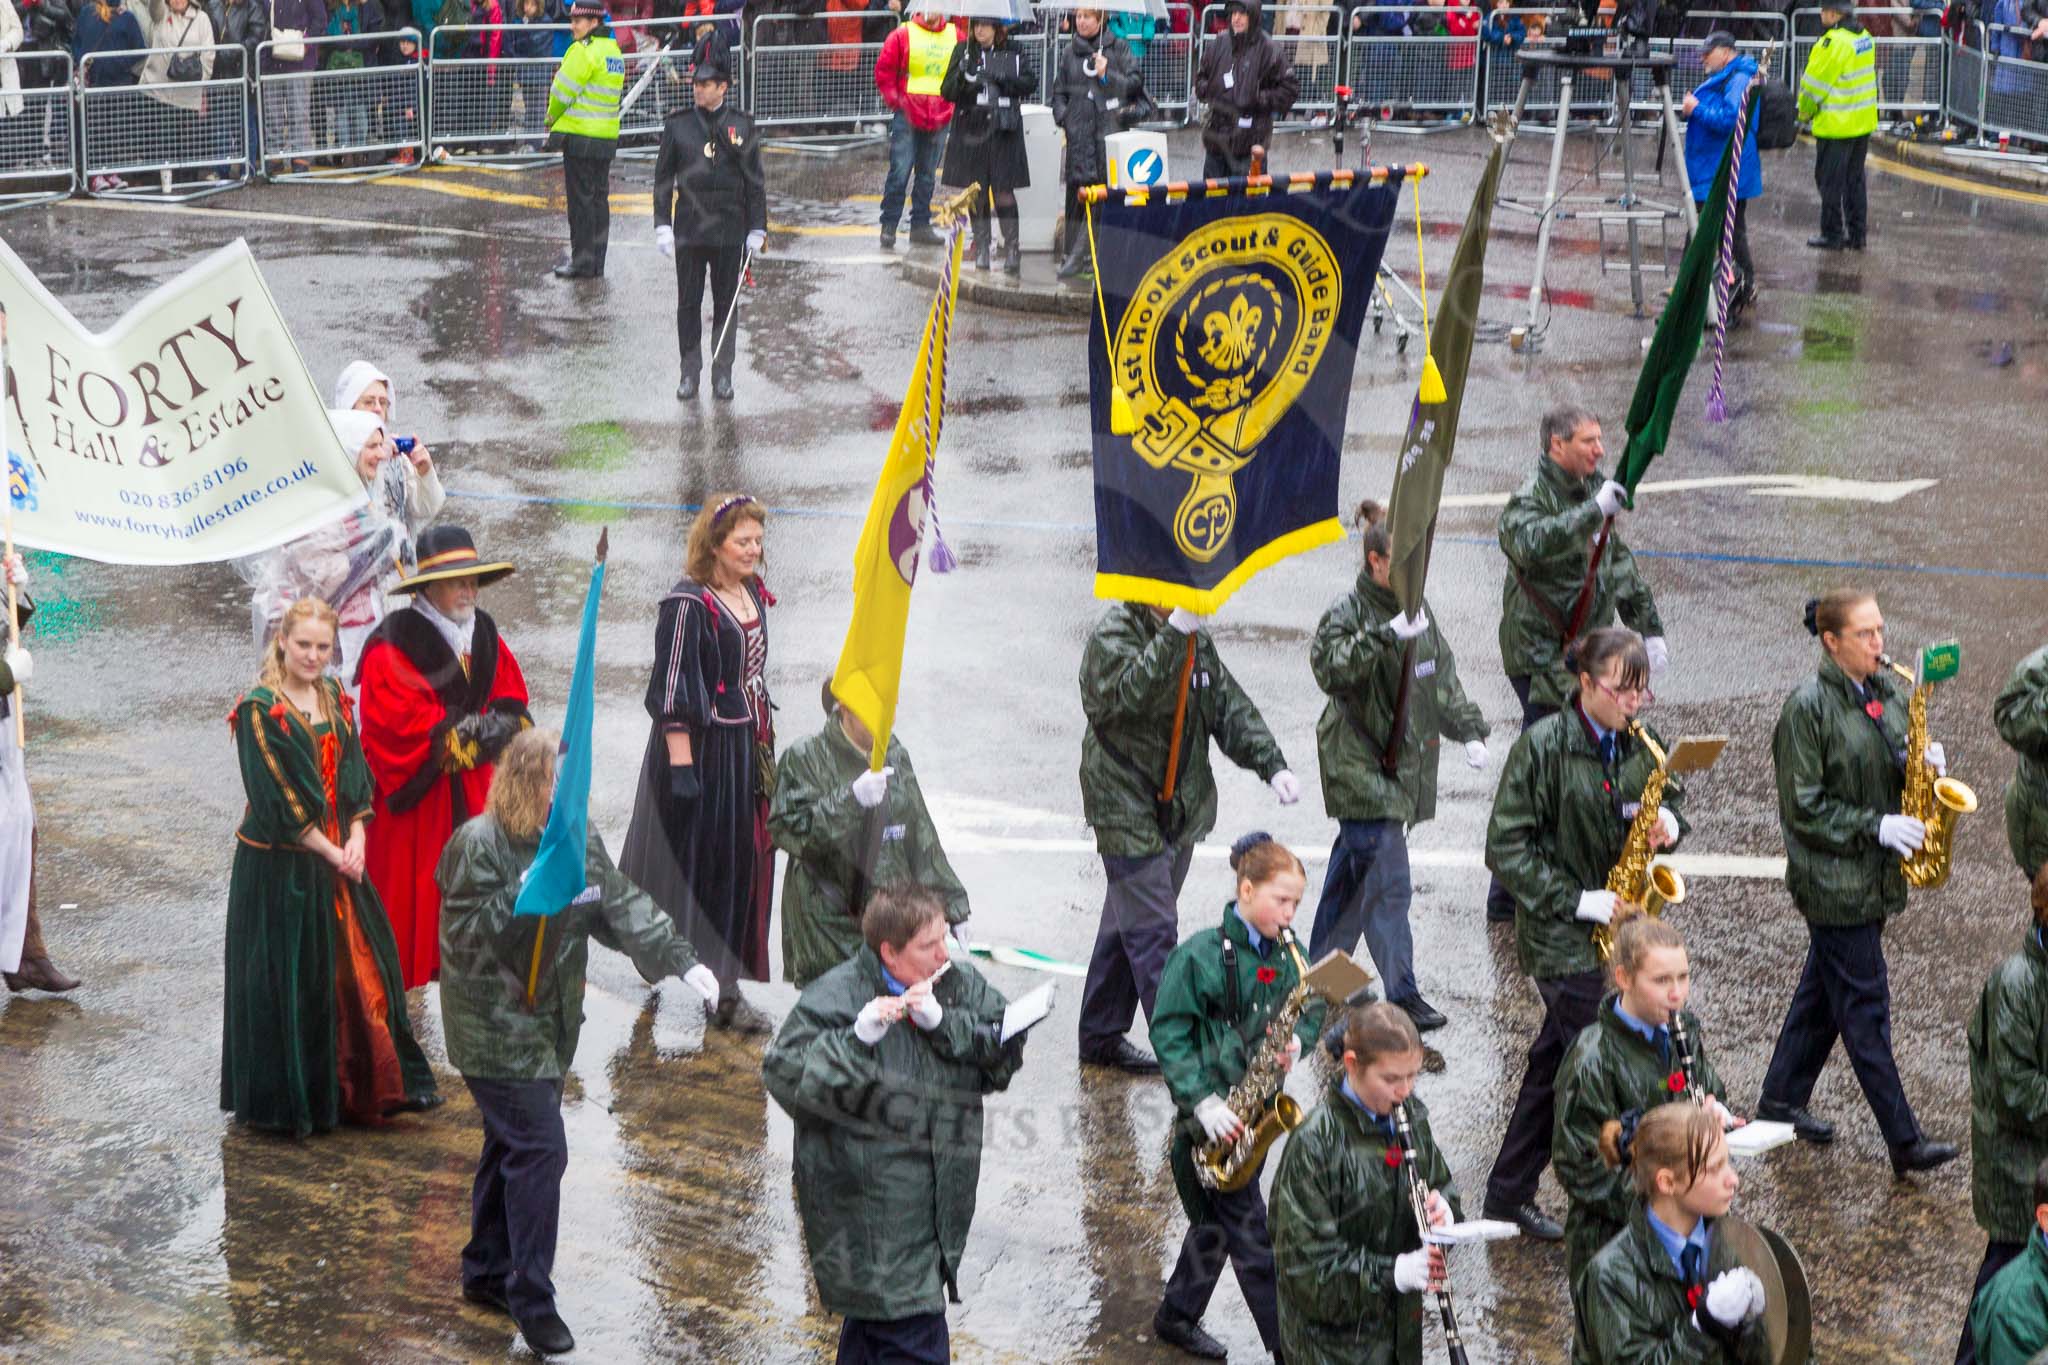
x=1560 y=820
x=1340 y=1216
x=1547 y=532
x=2010 y=1317
x=1630 y=1308
x=1130 y=681
x=2009 y=1092
x=888 y=1137
x=2021 y=713
x=1205 y=1030
x=1357 y=661
x=815 y=819
x=1841 y=770
x=1608 y=1070
x=486 y=953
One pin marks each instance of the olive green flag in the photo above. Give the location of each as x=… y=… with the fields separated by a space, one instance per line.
x=1433 y=427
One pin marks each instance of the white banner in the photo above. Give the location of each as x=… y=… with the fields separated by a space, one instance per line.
x=189 y=431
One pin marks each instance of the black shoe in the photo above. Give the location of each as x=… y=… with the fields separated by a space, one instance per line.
x=687 y=390
x=566 y=271
x=982 y=247
x=1921 y=1155
x=548 y=1335
x=484 y=1296
x=1077 y=260
x=1855 y=244
x=1125 y=1057
x=1013 y=257
x=1500 y=912
x=721 y=386
x=888 y=239
x=1826 y=243
x=1425 y=1015
x=924 y=236
x=1175 y=1330
x=1533 y=1222
x=1804 y=1125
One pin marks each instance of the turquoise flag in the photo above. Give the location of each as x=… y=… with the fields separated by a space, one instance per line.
x=556 y=877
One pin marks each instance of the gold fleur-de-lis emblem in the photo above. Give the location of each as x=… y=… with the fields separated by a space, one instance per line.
x=1230 y=337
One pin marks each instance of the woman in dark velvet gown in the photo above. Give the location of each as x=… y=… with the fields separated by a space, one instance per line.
x=699 y=841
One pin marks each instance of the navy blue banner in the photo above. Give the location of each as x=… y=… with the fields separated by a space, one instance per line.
x=1220 y=394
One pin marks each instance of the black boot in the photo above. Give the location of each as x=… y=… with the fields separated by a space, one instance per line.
x=982 y=244
x=687 y=390
x=1013 y=246
x=1077 y=257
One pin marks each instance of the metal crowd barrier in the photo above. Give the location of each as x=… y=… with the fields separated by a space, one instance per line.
x=1997 y=92
x=1416 y=82
x=799 y=84
x=1317 y=53
x=1909 y=68
x=36 y=165
x=369 y=114
x=175 y=153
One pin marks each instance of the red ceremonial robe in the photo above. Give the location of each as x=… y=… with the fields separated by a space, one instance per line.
x=414 y=692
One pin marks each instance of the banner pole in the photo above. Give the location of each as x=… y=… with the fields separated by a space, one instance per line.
x=6 y=563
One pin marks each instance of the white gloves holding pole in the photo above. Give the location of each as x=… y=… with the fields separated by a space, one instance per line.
x=1405 y=629
x=757 y=242
x=21 y=665
x=870 y=787
x=704 y=983
x=1610 y=498
x=1184 y=621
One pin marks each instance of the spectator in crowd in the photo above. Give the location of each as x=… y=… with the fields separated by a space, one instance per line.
x=629 y=12
x=244 y=24
x=533 y=48
x=51 y=26
x=1135 y=29
x=183 y=39
x=402 y=114
x=1095 y=75
x=1711 y=110
x=103 y=28
x=1461 y=20
x=847 y=26
x=910 y=72
x=1310 y=22
x=290 y=21
x=988 y=81
x=1503 y=34
x=1247 y=82
x=12 y=36
x=344 y=110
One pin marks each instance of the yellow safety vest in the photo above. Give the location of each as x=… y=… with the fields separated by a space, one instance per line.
x=929 y=54
x=1839 y=91
x=585 y=97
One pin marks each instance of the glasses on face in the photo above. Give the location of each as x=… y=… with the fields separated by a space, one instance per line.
x=1619 y=695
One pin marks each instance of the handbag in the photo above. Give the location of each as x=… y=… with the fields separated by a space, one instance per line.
x=184 y=66
x=287 y=44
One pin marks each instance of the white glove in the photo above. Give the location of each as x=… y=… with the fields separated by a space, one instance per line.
x=1184 y=621
x=1475 y=753
x=869 y=1025
x=1405 y=629
x=1610 y=498
x=1596 y=907
x=1735 y=1297
x=960 y=941
x=1218 y=1120
x=1937 y=758
x=1667 y=822
x=757 y=240
x=700 y=979
x=21 y=665
x=1286 y=786
x=1659 y=652
x=926 y=1015
x=1411 y=1271
x=1439 y=1211
x=1902 y=834
x=17 y=572
x=665 y=240
x=870 y=787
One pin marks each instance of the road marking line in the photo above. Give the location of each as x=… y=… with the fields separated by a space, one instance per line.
x=1759 y=485
x=1954 y=182
x=218 y=211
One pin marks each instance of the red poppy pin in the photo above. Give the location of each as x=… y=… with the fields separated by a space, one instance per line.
x=1675 y=1082
x=1693 y=1296
x=1267 y=976
x=1874 y=709
x=1394 y=1156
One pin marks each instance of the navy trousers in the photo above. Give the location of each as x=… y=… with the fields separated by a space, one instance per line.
x=1997 y=1256
x=919 y=1340
x=516 y=1202
x=1237 y=1233
x=1843 y=992
x=1570 y=1005
x=1367 y=889
x=1140 y=926
x=1498 y=902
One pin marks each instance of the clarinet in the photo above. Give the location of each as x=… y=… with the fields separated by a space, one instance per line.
x=1418 y=1201
x=1681 y=1048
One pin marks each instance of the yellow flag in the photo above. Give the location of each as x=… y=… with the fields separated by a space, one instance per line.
x=870 y=671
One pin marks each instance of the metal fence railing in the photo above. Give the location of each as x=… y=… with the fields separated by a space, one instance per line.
x=799 y=84
x=1909 y=67
x=36 y=164
x=355 y=107
x=161 y=138
x=1416 y=79
x=1997 y=91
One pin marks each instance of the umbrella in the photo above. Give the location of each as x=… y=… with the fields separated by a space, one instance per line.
x=1002 y=11
x=1154 y=8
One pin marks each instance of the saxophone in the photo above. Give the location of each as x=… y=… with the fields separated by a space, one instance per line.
x=1260 y=1103
x=1635 y=878
x=1934 y=801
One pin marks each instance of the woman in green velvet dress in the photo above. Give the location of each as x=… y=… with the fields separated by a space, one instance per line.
x=314 y=1029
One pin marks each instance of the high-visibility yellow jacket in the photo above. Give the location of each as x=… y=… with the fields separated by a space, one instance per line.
x=1839 y=92
x=584 y=100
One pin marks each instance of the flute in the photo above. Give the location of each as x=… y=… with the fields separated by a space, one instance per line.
x=1418 y=1200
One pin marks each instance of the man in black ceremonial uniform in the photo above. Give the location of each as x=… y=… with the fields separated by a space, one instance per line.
x=710 y=209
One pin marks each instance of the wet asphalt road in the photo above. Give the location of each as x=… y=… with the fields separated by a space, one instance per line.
x=141 y=1225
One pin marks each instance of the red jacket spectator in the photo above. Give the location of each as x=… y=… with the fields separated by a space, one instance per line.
x=1462 y=23
x=927 y=112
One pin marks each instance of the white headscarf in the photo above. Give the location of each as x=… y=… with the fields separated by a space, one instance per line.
x=359 y=375
x=354 y=429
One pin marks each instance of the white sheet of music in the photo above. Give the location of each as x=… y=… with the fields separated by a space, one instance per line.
x=1757 y=1137
x=1027 y=1010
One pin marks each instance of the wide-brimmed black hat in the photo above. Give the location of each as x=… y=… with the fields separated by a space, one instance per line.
x=447 y=552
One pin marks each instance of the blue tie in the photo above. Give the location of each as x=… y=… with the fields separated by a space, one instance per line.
x=1693 y=1261
x=1662 y=1038
x=1607 y=750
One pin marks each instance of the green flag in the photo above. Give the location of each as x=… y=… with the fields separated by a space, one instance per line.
x=1433 y=427
x=1677 y=339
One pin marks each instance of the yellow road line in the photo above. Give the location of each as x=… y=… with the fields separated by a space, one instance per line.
x=625 y=205
x=1956 y=182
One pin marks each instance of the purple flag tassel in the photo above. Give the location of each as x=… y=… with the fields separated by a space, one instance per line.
x=1724 y=262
